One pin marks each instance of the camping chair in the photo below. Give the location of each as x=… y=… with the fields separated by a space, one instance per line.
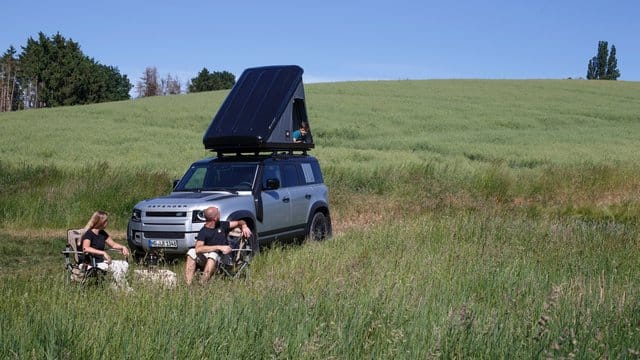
x=236 y=263
x=81 y=267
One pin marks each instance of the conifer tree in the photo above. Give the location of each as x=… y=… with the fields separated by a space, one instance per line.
x=149 y=84
x=603 y=66
x=592 y=69
x=603 y=54
x=9 y=81
x=54 y=72
x=612 y=65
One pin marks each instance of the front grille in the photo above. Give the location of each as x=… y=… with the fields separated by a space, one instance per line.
x=163 y=235
x=166 y=213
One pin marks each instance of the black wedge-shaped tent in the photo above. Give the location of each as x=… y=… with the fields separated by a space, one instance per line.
x=263 y=109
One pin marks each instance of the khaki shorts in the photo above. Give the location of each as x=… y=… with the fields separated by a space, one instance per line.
x=201 y=259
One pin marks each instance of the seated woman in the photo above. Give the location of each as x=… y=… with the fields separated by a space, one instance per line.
x=94 y=240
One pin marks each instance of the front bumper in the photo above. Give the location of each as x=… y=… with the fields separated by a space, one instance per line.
x=169 y=241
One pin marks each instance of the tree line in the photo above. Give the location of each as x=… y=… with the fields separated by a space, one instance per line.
x=150 y=84
x=53 y=71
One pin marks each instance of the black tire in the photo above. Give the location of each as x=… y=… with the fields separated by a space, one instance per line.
x=137 y=253
x=254 y=244
x=138 y=256
x=319 y=227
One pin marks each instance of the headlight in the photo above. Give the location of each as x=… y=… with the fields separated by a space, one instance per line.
x=136 y=215
x=198 y=216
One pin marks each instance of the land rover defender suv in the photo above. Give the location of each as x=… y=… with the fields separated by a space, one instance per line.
x=259 y=175
x=281 y=196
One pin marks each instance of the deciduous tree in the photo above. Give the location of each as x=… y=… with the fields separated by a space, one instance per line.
x=206 y=81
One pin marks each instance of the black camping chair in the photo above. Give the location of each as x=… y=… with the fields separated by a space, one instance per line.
x=236 y=263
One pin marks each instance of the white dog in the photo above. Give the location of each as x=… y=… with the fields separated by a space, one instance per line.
x=166 y=278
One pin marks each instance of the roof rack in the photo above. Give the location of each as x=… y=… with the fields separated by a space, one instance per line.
x=272 y=152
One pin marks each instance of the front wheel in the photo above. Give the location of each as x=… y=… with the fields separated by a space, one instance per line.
x=319 y=228
x=253 y=243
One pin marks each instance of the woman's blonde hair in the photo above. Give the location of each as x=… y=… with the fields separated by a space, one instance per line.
x=98 y=220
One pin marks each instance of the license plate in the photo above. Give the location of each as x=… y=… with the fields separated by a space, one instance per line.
x=163 y=243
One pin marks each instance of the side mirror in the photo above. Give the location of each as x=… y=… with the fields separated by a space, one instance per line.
x=272 y=184
x=175 y=183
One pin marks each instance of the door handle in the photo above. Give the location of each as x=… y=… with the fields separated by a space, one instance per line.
x=308 y=196
x=285 y=199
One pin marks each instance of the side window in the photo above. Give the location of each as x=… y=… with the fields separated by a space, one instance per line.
x=290 y=175
x=309 y=176
x=271 y=172
x=317 y=174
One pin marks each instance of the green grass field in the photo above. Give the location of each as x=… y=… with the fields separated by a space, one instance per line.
x=473 y=219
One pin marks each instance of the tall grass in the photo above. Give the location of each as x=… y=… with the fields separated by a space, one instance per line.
x=46 y=197
x=483 y=285
x=43 y=196
x=473 y=219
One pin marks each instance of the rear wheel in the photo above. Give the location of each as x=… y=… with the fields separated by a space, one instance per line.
x=319 y=228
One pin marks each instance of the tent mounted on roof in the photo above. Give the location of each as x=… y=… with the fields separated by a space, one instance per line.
x=263 y=109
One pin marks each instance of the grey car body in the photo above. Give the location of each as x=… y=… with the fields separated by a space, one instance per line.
x=282 y=196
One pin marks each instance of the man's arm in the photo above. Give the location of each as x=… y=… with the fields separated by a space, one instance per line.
x=246 y=232
x=201 y=248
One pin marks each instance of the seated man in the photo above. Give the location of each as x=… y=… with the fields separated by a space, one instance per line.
x=210 y=242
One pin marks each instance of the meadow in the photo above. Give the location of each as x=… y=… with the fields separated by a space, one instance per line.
x=472 y=218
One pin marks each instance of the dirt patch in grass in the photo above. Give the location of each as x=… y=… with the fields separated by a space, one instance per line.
x=40 y=234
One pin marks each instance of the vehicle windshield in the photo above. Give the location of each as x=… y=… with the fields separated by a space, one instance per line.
x=218 y=177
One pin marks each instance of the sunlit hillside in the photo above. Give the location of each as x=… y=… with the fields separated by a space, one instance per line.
x=524 y=123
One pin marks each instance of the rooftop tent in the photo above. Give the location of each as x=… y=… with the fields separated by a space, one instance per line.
x=261 y=112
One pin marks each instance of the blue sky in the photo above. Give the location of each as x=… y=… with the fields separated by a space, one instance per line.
x=340 y=40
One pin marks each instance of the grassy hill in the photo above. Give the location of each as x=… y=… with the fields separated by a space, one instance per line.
x=474 y=218
x=523 y=123
x=510 y=139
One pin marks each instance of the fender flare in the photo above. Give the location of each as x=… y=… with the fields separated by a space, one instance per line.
x=248 y=215
x=243 y=215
